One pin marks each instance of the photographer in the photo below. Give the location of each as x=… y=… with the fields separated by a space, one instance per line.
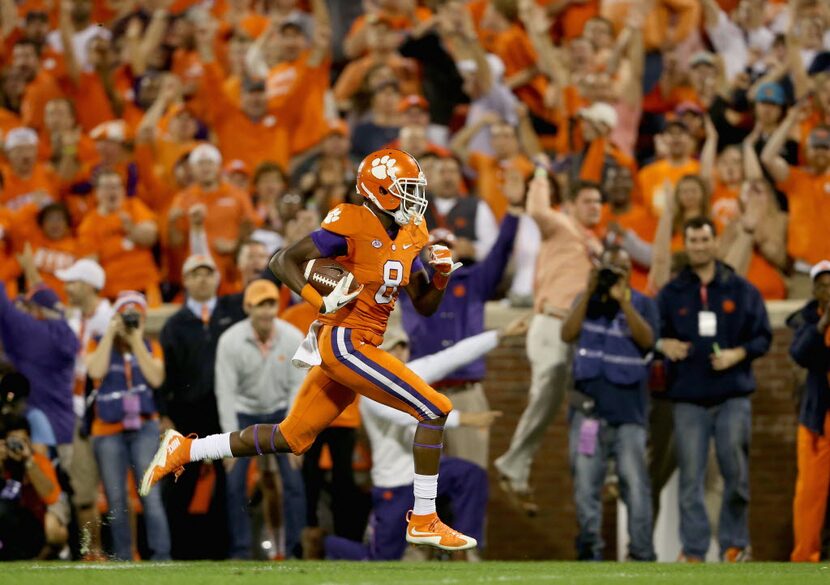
x=614 y=328
x=28 y=489
x=125 y=368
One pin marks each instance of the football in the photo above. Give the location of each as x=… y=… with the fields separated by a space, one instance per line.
x=324 y=274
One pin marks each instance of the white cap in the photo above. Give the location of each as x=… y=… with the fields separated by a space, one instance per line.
x=195 y=261
x=205 y=152
x=20 y=136
x=115 y=130
x=819 y=269
x=84 y=270
x=600 y=113
x=493 y=61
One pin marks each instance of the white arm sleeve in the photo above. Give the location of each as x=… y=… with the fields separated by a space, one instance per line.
x=487 y=231
x=436 y=366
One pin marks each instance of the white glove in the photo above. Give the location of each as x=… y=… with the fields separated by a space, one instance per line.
x=440 y=258
x=339 y=298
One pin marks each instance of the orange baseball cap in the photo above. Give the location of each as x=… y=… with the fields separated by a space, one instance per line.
x=338 y=126
x=259 y=291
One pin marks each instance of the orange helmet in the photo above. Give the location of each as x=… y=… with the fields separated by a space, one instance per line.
x=393 y=180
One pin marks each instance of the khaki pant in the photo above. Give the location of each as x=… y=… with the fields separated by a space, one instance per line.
x=468 y=443
x=83 y=472
x=550 y=363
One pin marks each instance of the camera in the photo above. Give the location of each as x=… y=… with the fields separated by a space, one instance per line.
x=15 y=445
x=607 y=277
x=130 y=320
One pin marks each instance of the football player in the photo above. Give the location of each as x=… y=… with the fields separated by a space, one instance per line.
x=379 y=242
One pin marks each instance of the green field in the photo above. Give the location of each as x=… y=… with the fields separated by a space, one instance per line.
x=336 y=573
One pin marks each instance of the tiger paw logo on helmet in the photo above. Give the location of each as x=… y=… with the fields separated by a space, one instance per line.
x=384 y=167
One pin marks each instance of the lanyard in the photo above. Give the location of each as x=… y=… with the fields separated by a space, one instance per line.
x=704 y=297
x=128 y=369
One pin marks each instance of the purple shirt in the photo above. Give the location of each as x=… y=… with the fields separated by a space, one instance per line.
x=44 y=351
x=461 y=312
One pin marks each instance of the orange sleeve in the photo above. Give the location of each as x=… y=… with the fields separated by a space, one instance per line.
x=140 y=212
x=48 y=470
x=350 y=80
x=155 y=350
x=214 y=104
x=687 y=14
x=594 y=161
x=248 y=211
x=475 y=160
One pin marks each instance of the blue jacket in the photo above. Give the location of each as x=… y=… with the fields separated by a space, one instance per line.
x=741 y=322
x=809 y=351
x=110 y=399
x=461 y=312
x=44 y=352
x=610 y=367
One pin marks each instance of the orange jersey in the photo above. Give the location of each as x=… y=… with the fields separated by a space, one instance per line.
x=725 y=204
x=127 y=266
x=39 y=92
x=490 y=178
x=51 y=256
x=809 y=200
x=654 y=179
x=18 y=191
x=380 y=264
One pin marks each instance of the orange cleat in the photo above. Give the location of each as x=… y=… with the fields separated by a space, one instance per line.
x=172 y=455
x=429 y=530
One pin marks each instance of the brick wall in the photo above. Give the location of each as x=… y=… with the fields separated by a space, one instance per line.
x=551 y=534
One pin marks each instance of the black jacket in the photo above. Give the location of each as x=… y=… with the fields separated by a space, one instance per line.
x=809 y=351
x=741 y=322
x=190 y=354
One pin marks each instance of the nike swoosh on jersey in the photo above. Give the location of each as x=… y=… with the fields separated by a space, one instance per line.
x=407 y=246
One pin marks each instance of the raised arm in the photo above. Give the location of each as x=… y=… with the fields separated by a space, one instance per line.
x=539 y=205
x=66 y=31
x=462 y=138
x=770 y=157
x=660 y=271
x=709 y=153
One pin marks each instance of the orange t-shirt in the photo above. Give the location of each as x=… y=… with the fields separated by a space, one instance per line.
x=228 y=209
x=301 y=316
x=51 y=256
x=490 y=179
x=395 y=21
x=641 y=222
x=809 y=201
x=380 y=265
x=725 y=206
x=252 y=142
x=571 y=22
x=8 y=121
x=681 y=17
x=652 y=181
x=92 y=105
x=766 y=278
x=18 y=191
x=516 y=51
x=353 y=76
x=100 y=428
x=296 y=96
x=43 y=88
x=127 y=266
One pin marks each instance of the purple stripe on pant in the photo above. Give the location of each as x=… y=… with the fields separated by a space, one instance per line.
x=431 y=410
x=462 y=482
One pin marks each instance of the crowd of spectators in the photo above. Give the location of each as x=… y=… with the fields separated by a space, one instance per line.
x=160 y=151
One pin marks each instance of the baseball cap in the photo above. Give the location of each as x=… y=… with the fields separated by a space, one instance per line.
x=394 y=336
x=198 y=261
x=413 y=100
x=770 y=93
x=45 y=298
x=130 y=299
x=819 y=137
x=261 y=290
x=600 y=113
x=442 y=235
x=115 y=130
x=293 y=20
x=205 y=152
x=676 y=123
x=237 y=166
x=20 y=136
x=819 y=269
x=495 y=64
x=702 y=58
x=84 y=270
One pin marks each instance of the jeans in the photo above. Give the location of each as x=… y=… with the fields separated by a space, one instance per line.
x=114 y=453
x=627 y=444
x=294 y=507
x=729 y=423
